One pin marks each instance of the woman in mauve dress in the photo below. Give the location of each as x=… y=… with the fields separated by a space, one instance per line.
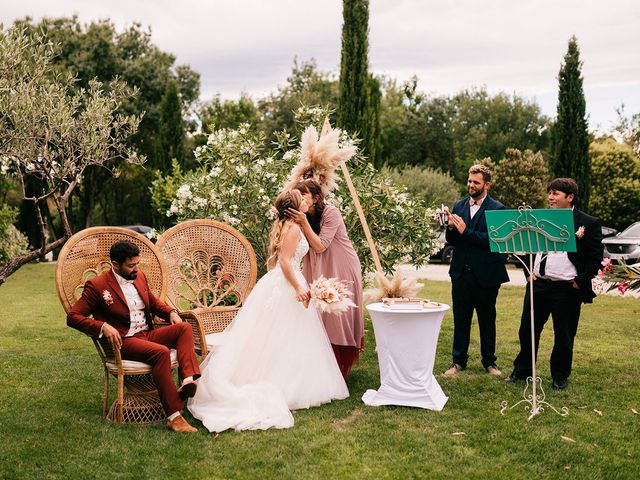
x=332 y=255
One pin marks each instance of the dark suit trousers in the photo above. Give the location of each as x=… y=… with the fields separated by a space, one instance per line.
x=153 y=347
x=560 y=300
x=468 y=295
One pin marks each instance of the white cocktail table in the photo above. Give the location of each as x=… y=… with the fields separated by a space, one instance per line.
x=406 y=342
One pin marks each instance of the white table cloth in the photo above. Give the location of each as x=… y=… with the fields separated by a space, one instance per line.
x=406 y=343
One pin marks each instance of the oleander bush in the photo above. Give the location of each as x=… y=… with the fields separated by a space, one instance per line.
x=240 y=174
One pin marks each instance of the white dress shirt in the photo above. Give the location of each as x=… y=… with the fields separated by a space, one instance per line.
x=136 y=306
x=558 y=267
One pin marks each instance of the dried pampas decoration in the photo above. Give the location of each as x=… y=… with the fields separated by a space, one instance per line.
x=396 y=286
x=320 y=155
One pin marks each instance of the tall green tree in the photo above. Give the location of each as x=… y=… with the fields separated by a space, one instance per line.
x=359 y=101
x=171 y=138
x=570 y=136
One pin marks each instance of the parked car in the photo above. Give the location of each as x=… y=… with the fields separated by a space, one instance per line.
x=625 y=245
x=142 y=229
x=446 y=252
x=608 y=231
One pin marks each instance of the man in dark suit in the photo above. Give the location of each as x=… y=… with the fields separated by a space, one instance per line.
x=119 y=306
x=476 y=273
x=562 y=282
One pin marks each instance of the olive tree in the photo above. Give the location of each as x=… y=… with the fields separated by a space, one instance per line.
x=50 y=132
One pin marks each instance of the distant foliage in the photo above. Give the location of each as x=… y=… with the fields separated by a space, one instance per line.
x=520 y=177
x=628 y=128
x=427 y=184
x=450 y=132
x=615 y=195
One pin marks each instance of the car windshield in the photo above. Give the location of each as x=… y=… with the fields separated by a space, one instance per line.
x=632 y=231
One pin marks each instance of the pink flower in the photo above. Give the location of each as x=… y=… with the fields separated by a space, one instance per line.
x=624 y=286
x=580 y=232
x=107 y=297
x=606 y=263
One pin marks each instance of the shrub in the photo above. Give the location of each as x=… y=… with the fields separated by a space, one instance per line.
x=615 y=183
x=520 y=177
x=431 y=185
x=12 y=241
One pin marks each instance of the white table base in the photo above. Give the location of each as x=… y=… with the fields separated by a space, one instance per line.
x=406 y=343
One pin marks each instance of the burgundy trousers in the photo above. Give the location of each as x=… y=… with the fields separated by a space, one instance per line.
x=153 y=347
x=346 y=356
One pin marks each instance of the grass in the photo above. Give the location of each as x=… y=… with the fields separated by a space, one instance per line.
x=51 y=425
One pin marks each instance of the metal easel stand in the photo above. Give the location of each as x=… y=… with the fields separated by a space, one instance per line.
x=533 y=401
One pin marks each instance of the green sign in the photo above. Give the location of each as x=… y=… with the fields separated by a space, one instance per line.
x=530 y=231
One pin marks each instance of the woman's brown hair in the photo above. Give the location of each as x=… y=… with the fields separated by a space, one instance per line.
x=314 y=188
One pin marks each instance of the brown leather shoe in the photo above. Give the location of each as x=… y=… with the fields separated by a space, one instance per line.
x=493 y=370
x=179 y=424
x=453 y=370
x=187 y=390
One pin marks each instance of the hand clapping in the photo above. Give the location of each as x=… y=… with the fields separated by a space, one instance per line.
x=455 y=221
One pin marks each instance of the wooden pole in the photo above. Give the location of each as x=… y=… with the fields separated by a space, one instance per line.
x=363 y=220
x=356 y=201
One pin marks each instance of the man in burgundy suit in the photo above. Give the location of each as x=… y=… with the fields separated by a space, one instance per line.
x=123 y=307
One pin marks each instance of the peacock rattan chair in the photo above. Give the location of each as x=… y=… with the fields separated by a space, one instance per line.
x=84 y=256
x=211 y=269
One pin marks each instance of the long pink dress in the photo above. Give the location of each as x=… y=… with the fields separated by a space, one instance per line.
x=339 y=260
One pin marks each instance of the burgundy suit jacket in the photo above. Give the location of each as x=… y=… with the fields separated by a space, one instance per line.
x=102 y=298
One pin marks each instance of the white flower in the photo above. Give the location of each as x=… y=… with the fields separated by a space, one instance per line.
x=241 y=170
x=184 y=192
x=271 y=215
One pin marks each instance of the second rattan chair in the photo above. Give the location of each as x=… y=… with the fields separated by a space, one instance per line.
x=211 y=269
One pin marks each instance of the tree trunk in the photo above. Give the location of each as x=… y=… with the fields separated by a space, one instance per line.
x=15 y=263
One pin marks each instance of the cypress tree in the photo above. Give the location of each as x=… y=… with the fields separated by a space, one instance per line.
x=359 y=100
x=570 y=137
x=171 y=136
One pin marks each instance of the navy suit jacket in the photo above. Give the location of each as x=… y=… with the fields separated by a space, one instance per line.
x=472 y=246
x=588 y=257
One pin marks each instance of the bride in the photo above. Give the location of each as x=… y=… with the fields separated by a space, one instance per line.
x=277 y=356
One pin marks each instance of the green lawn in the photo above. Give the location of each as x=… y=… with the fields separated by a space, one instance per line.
x=51 y=425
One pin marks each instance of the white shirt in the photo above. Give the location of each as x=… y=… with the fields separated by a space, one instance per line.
x=136 y=306
x=558 y=267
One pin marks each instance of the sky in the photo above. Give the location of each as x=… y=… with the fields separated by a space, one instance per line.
x=510 y=46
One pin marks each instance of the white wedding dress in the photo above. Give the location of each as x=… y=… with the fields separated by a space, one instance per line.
x=276 y=357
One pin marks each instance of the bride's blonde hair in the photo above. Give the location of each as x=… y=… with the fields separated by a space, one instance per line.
x=289 y=199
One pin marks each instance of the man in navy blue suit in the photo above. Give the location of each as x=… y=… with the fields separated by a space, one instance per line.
x=476 y=273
